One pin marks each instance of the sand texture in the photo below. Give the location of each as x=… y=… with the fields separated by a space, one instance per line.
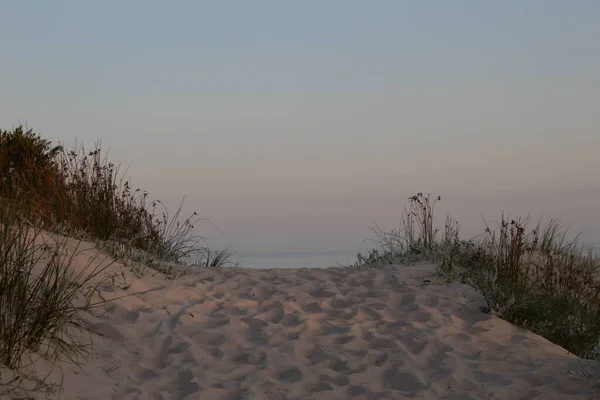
x=338 y=333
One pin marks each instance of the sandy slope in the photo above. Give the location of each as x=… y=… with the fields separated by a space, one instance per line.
x=313 y=334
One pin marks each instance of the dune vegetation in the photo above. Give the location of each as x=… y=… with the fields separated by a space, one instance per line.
x=541 y=278
x=49 y=194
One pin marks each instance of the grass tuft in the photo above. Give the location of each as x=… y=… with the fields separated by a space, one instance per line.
x=214 y=258
x=39 y=287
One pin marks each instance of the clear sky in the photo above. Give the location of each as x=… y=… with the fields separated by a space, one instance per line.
x=296 y=125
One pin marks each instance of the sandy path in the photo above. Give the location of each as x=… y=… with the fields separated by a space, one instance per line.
x=338 y=333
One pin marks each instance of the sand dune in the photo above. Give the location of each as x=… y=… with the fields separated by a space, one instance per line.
x=338 y=333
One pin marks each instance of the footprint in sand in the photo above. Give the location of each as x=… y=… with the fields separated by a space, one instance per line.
x=415 y=345
x=255 y=323
x=376 y=358
x=420 y=316
x=318 y=387
x=356 y=390
x=335 y=330
x=382 y=343
x=340 y=302
x=312 y=307
x=340 y=340
x=291 y=320
x=491 y=379
x=401 y=381
x=274 y=314
x=289 y=375
x=321 y=293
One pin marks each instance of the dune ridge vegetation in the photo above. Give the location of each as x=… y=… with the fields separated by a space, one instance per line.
x=541 y=278
x=47 y=195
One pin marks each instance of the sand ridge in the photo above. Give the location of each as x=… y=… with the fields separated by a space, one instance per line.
x=337 y=333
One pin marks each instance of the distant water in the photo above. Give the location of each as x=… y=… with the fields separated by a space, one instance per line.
x=322 y=259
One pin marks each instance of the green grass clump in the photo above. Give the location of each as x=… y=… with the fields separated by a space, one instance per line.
x=42 y=295
x=539 y=278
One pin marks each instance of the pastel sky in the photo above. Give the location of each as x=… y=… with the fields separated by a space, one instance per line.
x=297 y=125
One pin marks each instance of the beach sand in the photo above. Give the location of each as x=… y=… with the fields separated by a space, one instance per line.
x=339 y=333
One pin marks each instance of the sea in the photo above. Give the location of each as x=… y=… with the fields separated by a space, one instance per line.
x=320 y=259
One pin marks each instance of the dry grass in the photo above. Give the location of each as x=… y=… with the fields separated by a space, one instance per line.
x=82 y=194
x=214 y=258
x=42 y=297
x=540 y=278
x=47 y=192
